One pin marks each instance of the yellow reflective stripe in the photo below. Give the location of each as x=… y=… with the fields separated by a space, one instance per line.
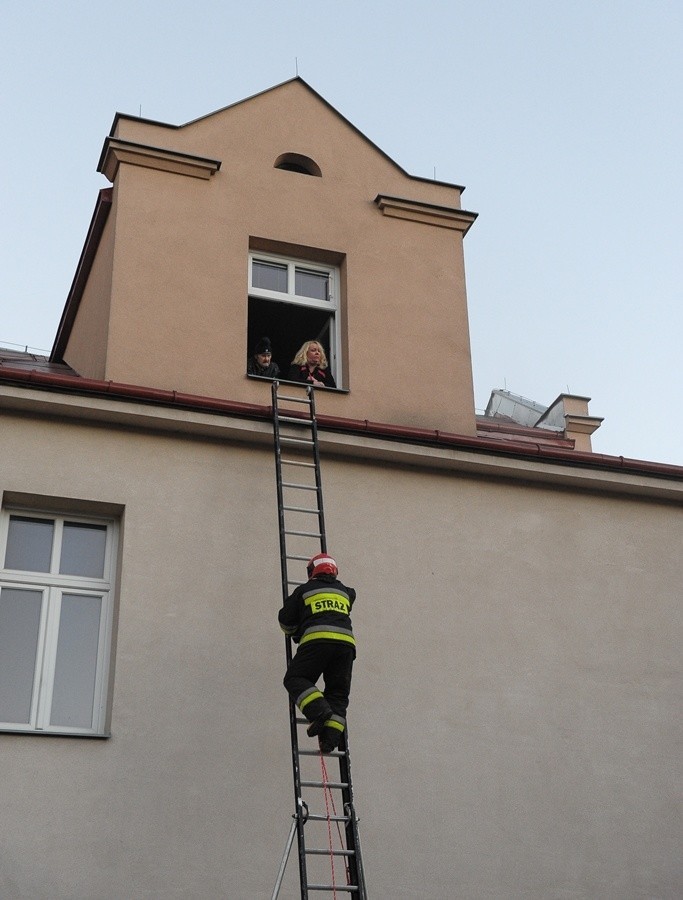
x=328 y=601
x=332 y=724
x=328 y=635
x=314 y=695
x=336 y=592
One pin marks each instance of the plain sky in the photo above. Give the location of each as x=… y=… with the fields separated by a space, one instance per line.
x=562 y=120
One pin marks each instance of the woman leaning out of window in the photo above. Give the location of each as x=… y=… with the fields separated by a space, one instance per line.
x=310 y=365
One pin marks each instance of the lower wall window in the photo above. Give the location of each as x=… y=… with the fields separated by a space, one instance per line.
x=56 y=611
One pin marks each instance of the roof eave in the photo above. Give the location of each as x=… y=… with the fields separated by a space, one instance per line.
x=429 y=437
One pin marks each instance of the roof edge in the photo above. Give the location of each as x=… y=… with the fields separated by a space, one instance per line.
x=73 y=300
x=431 y=437
x=300 y=80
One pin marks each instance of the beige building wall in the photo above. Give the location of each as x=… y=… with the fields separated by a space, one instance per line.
x=88 y=344
x=514 y=714
x=183 y=228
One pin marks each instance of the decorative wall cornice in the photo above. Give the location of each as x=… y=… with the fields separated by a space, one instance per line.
x=427 y=213
x=117 y=151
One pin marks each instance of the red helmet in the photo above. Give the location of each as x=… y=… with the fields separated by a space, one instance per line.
x=321 y=564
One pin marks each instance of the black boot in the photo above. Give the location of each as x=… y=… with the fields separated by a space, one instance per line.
x=329 y=739
x=318 y=723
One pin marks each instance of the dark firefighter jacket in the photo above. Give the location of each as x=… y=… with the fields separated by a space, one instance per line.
x=319 y=610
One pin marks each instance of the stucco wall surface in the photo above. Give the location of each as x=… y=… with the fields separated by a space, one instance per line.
x=179 y=285
x=514 y=714
x=87 y=350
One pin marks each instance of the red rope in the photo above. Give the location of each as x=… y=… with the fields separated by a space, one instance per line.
x=329 y=799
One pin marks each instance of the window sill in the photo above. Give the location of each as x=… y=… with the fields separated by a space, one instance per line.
x=69 y=734
x=331 y=390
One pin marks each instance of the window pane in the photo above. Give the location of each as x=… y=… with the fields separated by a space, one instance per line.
x=83 y=550
x=271 y=276
x=19 y=625
x=29 y=544
x=74 y=685
x=312 y=284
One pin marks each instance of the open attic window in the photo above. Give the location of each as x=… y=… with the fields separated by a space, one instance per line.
x=292 y=301
x=295 y=162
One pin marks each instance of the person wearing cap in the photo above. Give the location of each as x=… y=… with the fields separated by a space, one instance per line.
x=261 y=362
x=316 y=616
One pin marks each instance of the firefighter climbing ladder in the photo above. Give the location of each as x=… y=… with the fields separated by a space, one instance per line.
x=302 y=526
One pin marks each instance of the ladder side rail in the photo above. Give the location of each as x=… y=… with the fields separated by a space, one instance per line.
x=355 y=863
x=283 y=863
x=355 y=866
x=300 y=813
x=280 y=493
x=318 y=477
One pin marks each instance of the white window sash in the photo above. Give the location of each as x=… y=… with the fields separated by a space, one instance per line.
x=101 y=670
x=289 y=296
x=40 y=653
x=52 y=587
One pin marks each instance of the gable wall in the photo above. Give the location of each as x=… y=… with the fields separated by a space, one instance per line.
x=180 y=268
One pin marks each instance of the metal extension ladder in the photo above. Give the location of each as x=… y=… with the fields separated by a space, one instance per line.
x=302 y=527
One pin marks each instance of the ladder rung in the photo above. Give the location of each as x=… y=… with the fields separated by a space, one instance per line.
x=302 y=558
x=339 y=785
x=312 y=534
x=317 y=753
x=296 y=582
x=348 y=888
x=295 y=420
x=301 y=509
x=301 y=487
x=288 y=440
x=294 y=462
x=325 y=851
x=317 y=817
x=296 y=399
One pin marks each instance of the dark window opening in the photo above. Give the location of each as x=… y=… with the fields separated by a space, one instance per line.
x=288 y=326
x=295 y=162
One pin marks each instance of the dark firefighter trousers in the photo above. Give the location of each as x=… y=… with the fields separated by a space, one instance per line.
x=334 y=661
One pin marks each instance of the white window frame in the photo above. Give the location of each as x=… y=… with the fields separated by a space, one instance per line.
x=289 y=296
x=53 y=586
